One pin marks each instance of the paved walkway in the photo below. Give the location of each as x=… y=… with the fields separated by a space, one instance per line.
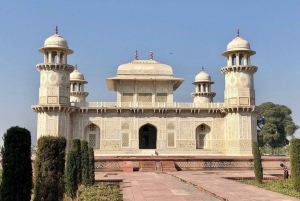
x=151 y=186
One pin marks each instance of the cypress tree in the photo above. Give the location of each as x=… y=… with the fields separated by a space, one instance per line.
x=258 y=169
x=17 y=170
x=48 y=182
x=62 y=142
x=71 y=184
x=91 y=166
x=76 y=146
x=295 y=162
x=84 y=162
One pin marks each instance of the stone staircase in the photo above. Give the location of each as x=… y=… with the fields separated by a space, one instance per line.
x=147 y=166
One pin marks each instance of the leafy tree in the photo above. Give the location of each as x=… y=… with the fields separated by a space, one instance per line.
x=48 y=168
x=258 y=169
x=275 y=124
x=91 y=166
x=295 y=162
x=71 y=183
x=76 y=146
x=84 y=162
x=17 y=169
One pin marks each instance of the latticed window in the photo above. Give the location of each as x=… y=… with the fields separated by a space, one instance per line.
x=161 y=97
x=201 y=141
x=145 y=97
x=171 y=140
x=125 y=140
x=92 y=140
x=127 y=97
x=92 y=127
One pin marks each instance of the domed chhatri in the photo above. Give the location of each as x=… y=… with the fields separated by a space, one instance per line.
x=76 y=76
x=56 y=42
x=238 y=44
x=203 y=77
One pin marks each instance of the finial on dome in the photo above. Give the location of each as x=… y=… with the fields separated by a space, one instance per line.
x=136 y=57
x=237 y=32
x=202 y=68
x=151 y=55
x=56 y=30
x=76 y=67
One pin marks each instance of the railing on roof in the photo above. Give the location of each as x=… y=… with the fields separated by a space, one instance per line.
x=146 y=105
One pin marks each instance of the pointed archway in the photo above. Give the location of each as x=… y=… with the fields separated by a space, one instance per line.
x=147 y=137
x=201 y=132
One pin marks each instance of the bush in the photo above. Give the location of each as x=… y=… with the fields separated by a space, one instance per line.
x=258 y=169
x=91 y=166
x=71 y=183
x=295 y=162
x=16 y=181
x=76 y=146
x=48 y=168
x=84 y=162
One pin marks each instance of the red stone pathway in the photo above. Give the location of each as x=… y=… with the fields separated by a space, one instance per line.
x=150 y=186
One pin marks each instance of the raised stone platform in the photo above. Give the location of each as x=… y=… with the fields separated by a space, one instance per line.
x=186 y=163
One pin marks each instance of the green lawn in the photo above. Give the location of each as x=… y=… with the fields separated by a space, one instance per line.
x=280 y=186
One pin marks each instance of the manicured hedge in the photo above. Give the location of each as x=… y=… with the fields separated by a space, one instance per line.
x=84 y=162
x=258 y=169
x=295 y=162
x=17 y=170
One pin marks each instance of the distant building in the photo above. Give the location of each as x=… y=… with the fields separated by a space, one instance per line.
x=145 y=119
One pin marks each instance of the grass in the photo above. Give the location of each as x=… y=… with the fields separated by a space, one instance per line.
x=280 y=186
x=107 y=192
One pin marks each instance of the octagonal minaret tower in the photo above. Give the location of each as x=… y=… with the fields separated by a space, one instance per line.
x=54 y=93
x=203 y=92
x=239 y=86
x=240 y=110
x=77 y=82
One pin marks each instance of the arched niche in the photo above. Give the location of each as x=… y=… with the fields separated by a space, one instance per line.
x=201 y=131
x=147 y=137
x=92 y=135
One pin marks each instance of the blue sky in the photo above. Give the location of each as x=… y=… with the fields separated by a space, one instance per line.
x=105 y=34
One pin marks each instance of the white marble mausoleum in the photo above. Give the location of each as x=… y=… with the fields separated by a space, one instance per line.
x=145 y=119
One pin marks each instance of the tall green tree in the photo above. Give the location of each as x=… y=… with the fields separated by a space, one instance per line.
x=295 y=162
x=76 y=146
x=48 y=170
x=91 y=166
x=71 y=183
x=84 y=162
x=17 y=169
x=275 y=124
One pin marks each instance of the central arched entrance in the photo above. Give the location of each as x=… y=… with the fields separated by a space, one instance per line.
x=147 y=137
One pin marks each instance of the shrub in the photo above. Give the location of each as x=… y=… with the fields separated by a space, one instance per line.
x=48 y=183
x=76 y=146
x=16 y=181
x=71 y=183
x=295 y=162
x=84 y=162
x=91 y=166
x=258 y=170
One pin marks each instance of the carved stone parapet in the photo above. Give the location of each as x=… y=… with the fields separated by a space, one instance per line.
x=250 y=109
x=203 y=94
x=79 y=93
x=42 y=109
x=238 y=68
x=50 y=66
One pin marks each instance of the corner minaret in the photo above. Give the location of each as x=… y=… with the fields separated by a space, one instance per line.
x=77 y=82
x=54 y=93
x=239 y=86
x=239 y=109
x=203 y=92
